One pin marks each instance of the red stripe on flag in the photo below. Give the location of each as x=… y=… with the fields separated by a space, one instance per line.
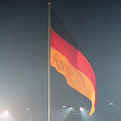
x=75 y=57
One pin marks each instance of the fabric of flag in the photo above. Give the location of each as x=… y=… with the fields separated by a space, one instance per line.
x=72 y=64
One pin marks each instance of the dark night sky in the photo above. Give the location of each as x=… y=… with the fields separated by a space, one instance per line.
x=95 y=26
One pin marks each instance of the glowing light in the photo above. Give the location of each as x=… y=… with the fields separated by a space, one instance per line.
x=4 y=114
x=70 y=108
x=110 y=103
x=82 y=109
x=28 y=109
x=64 y=106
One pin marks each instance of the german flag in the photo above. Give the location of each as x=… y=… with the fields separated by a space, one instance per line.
x=66 y=58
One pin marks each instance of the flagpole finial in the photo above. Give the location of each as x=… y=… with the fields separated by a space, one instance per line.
x=49 y=2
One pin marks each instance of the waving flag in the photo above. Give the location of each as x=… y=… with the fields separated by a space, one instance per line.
x=72 y=64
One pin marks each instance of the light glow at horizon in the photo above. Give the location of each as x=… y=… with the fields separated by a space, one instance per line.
x=5 y=114
x=82 y=109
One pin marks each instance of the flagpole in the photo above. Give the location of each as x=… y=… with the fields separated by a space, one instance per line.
x=49 y=81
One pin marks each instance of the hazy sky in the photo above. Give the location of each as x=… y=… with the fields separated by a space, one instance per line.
x=23 y=58
x=94 y=25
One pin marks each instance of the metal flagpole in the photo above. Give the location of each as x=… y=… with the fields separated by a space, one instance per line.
x=49 y=81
